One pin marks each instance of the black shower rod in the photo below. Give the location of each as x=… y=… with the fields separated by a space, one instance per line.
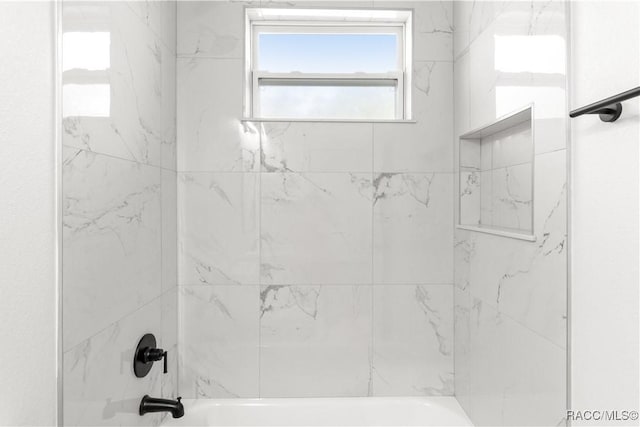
x=610 y=108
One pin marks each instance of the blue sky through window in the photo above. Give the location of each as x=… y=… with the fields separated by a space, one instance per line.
x=327 y=53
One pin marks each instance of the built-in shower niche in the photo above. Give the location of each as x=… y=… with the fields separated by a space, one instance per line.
x=496 y=177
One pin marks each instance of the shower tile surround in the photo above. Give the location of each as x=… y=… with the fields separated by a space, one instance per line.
x=119 y=208
x=315 y=259
x=510 y=294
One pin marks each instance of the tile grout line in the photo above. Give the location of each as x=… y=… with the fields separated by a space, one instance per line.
x=259 y=200
x=162 y=265
x=514 y=320
x=455 y=166
x=128 y=314
x=111 y=156
x=303 y=285
x=178 y=317
x=314 y=172
x=370 y=391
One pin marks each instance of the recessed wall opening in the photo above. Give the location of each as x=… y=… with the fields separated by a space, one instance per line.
x=496 y=165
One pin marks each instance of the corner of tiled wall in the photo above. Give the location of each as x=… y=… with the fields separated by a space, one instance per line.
x=119 y=219
x=510 y=295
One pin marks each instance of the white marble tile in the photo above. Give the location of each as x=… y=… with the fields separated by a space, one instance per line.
x=316 y=147
x=487 y=261
x=100 y=387
x=330 y=4
x=413 y=340
x=463 y=253
x=316 y=228
x=517 y=377
x=461 y=24
x=520 y=59
x=138 y=123
x=486 y=197
x=513 y=17
x=469 y=156
x=471 y=18
x=427 y=145
x=466 y=153
x=536 y=17
x=219 y=341
x=482 y=259
x=164 y=13
x=470 y=193
x=512 y=197
x=482 y=14
x=169 y=197
x=111 y=240
x=167 y=338
x=467 y=183
x=512 y=146
x=527 y=280
x=551 y=134
x=212 y=28
x=212 y=137
x=461 y=346
x=482 y=97
x=433 y=27
x=315 y=341
x=169 y=144
x=160 y=16
x=533 y=287
x=486 y=154
x=413 y=228
x=218 y=228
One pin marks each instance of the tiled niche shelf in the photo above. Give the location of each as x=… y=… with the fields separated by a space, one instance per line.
x=496 y=164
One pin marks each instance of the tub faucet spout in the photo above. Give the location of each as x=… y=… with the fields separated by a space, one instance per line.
x=152 y=404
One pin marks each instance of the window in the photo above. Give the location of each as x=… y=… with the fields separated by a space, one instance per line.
x=328 y=64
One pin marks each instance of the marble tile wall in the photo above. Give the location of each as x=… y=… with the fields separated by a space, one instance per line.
x=119 y=206
x=510 y=295
x=315 y=259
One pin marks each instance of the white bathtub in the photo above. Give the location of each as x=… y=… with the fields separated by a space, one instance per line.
x=348 y=411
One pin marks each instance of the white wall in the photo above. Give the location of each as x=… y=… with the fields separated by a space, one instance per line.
x=604 y=302
x=27 y=223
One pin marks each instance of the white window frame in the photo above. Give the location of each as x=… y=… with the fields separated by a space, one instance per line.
x=399 y=24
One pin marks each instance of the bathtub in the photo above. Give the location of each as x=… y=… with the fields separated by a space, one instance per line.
x=347 y=411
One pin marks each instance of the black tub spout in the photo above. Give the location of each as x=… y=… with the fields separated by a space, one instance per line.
x=152 y=404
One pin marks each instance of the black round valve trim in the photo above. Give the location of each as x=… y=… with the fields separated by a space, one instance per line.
x=146 y=353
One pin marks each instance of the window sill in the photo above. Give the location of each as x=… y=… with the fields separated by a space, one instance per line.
x=284 y=119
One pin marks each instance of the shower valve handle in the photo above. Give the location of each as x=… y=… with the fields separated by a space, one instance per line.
x=146 y=354
x=153 y=355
